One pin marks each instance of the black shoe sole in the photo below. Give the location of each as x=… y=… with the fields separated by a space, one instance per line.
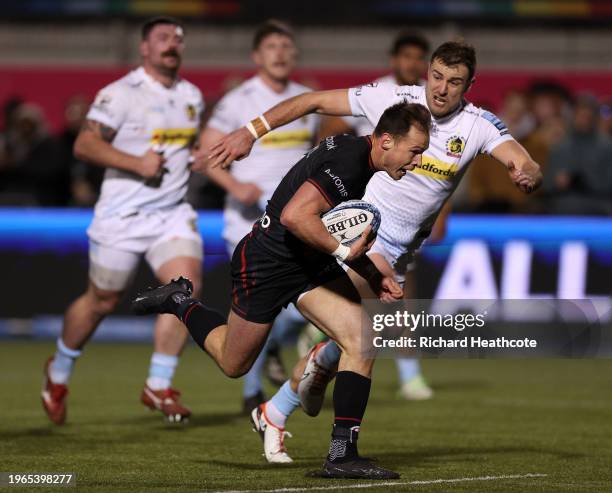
x=352 y=470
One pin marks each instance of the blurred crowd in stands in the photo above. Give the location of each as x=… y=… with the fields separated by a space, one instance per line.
x=38 y=168
x=569 y=135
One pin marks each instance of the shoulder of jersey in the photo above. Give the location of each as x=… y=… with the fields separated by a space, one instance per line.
x=189 y=88
x=354 y=145
x=388 y=79
x=483 y=116
x=131 y=79
x=242 y=90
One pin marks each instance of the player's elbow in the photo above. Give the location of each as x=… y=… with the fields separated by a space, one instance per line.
x=80 y=147
x=289 y=219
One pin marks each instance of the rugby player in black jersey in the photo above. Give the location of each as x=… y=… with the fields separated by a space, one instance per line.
x=289 y=256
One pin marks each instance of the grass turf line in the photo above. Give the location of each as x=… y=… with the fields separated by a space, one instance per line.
x=489 y=418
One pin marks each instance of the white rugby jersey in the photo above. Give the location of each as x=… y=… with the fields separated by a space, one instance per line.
x=361 y=125
x=271 y=156
x=409 y=207
x=147 y=115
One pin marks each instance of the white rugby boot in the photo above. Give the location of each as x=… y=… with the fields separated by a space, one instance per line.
x=312 y=386
x=416 y=389
x=272 y=436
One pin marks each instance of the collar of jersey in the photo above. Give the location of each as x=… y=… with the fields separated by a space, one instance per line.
x=451 y=115
x=257 y=80
x=158 y=86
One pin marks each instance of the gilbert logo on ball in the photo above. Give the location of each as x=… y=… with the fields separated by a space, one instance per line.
x=348 y=220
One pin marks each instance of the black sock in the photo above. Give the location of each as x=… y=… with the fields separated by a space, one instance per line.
x=199 y=319
x=351 y=393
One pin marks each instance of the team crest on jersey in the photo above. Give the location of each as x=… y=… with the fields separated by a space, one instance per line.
x=191 y=112
x=455 y=146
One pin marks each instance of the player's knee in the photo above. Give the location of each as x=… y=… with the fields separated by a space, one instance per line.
x=351 y=348
x=104 y=302
x=197 y=286
x=235 y=367
x=235 y=371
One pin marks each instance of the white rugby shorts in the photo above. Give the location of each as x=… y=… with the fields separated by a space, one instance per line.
x=117 y=243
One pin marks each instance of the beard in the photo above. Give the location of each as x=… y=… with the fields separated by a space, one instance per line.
x=170 y=67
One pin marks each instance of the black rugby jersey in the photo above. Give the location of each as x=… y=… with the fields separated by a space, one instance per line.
x=339 y=167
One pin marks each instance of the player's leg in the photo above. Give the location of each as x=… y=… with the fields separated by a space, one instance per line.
x=176 y=251
x=269 y=362
x=322 y=360
x=413 y=386
x=313 y=372
x=335 y=308
x=235 y=228
x=270 y=418
x=110 y=271
x=170 y=337
x=287 y=324
x=262 y=285
x=233 y=342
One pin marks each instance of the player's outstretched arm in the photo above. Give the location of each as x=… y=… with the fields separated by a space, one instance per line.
x=238 y=144
x=523 y=170
x=93 y=144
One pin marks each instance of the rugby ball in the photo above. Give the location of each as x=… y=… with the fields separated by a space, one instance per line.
x=348 y=220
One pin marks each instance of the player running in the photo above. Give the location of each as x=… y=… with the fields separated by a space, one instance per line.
x=459 y=132
x=251 y=182
x=408 y=64
x=290 y=257
x=141 y=128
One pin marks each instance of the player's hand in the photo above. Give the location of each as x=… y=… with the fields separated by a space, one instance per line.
x=150 y=164
x=362 y=245
x=386 y=288
x=199 y=160
x=526 y=180
x=233 y=147
x=247 y=193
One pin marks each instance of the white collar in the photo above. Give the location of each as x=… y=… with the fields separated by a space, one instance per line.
x=141 y=74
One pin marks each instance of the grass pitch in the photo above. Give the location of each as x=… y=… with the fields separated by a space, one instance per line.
x=548 y=418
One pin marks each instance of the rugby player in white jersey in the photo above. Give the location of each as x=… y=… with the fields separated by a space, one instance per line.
x=141 y=129
x=459 y=132
x=408 y=63
x=250 y=182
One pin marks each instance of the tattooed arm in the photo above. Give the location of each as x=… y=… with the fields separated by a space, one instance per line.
x=93 y=144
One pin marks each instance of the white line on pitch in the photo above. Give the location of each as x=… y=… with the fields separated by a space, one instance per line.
x=389 y=483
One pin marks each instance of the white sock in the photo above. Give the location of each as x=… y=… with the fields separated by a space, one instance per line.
x=161 y=371
x=63 y=363
x=274 y=416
